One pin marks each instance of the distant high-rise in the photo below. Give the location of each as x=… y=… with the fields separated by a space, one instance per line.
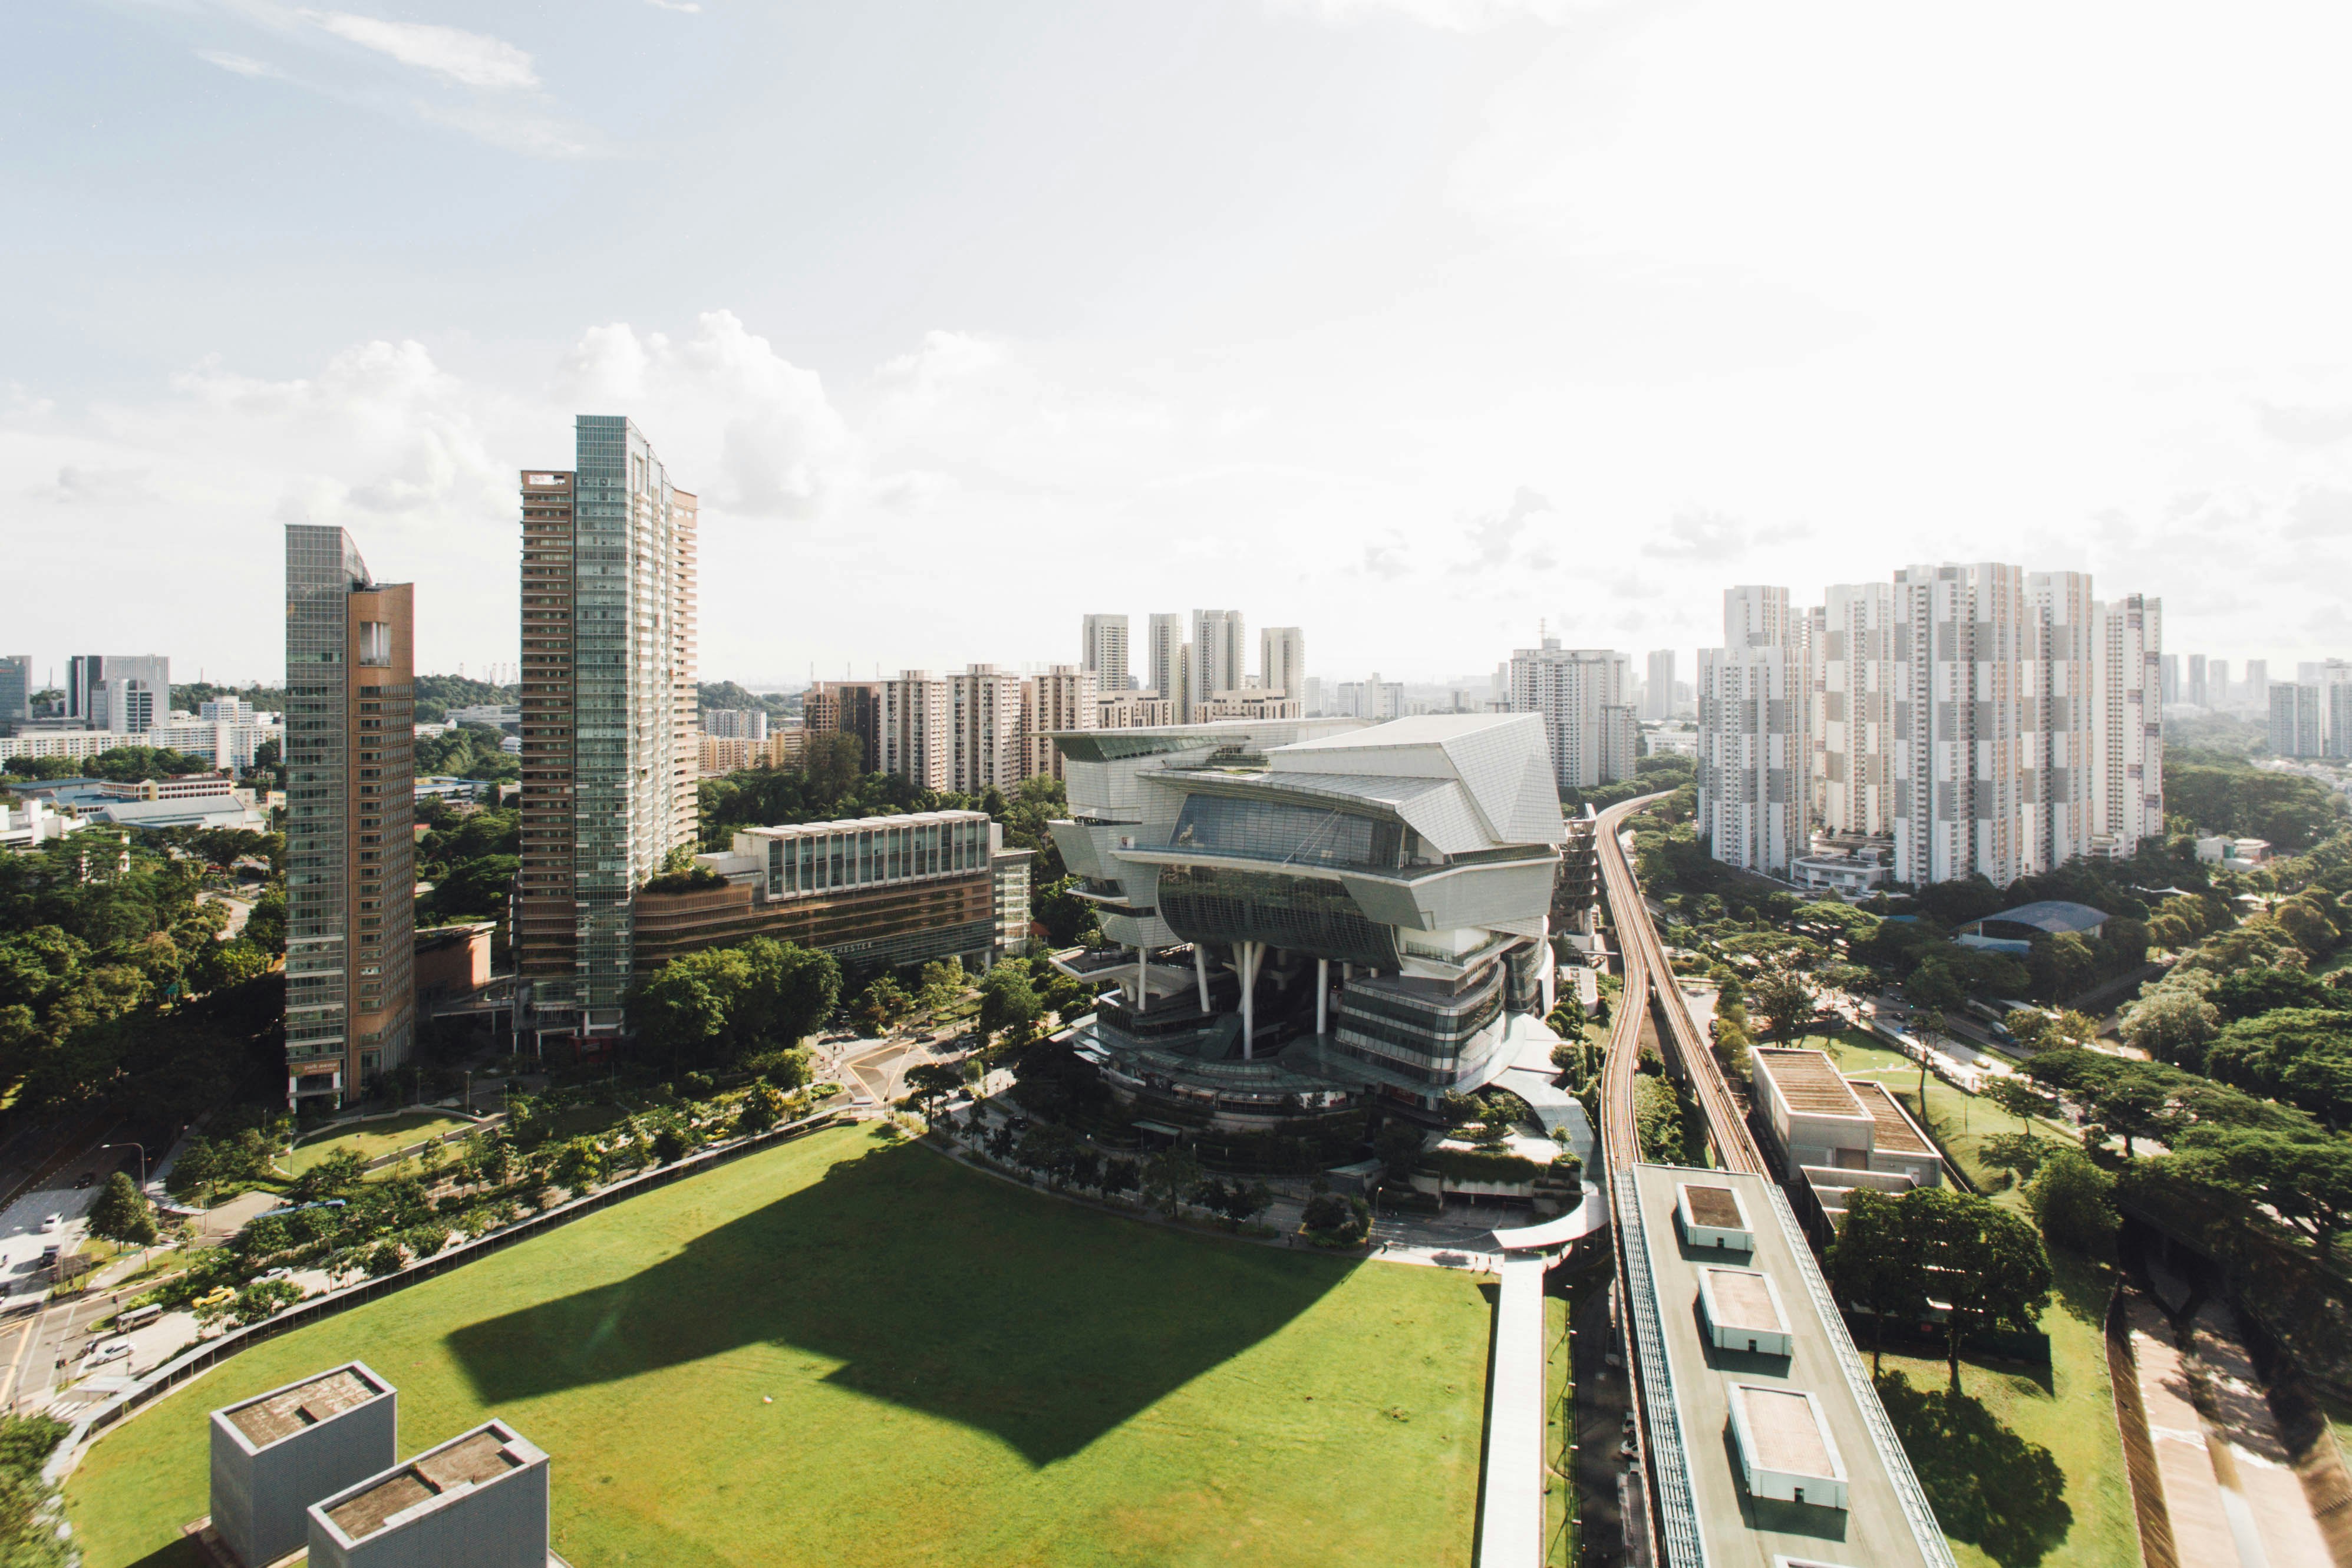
x=351 y=880
x=1658 y=688
x=1219 y=656
x=989 y=751
x=1282 y=662
x=2196 y=693
x=2217 y=682
x=128 y=693
x=2056 y=720
x=2296 y=728
x=1583 y=696
x=15 y=691
x=1103 y=652
x=2169 y=672
x=847 y=708
x=2258 y=685
x=916 y=716
x=1755 y=715
x=1960 y=760
x=2128 y=725
x=1065 y=697
x=736 y=723
x=610 y=755
x=1164 y=655
x=1853 y=711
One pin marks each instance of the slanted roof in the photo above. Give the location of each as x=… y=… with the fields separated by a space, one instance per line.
x=1500 y=761
x=2052 y=915
x=1807 y=1080
x=1892 y=1132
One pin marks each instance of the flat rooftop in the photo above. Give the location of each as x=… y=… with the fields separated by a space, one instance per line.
x=1807 y=1080
x=1701 y=1493
x=1893 y=1131
x=472 y=1460
x=1714 y=1206
x=1788 y=1436
x=275 y=1416
x=1743 y=1300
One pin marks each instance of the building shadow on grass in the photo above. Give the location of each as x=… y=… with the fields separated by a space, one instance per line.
x=936 y=1288
x=1986 y=1483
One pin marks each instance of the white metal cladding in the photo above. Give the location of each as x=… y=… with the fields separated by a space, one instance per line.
x=1487 y=753
x=1669 y=1468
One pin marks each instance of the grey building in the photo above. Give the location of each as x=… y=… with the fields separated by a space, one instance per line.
x=15 y=691
x=128 y=693
x=479 y=1499
x=278 y=1453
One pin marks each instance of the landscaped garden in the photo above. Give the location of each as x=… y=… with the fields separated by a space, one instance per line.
x=850 y=1348
x=371 y=1140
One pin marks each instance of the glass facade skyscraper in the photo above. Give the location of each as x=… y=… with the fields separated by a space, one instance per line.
x=350 y=877
x=608 y=715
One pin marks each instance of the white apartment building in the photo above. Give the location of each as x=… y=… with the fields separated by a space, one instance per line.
x=2127 y=725
x=1065 y=697
x=1102 y=651
x=1163 y=656
x=736 y=723
x=1961 y=640
x=1584 y=697
x=2057 y=718
x=1131 y=710
x=1282 y=662
x=1755 y=725
x=1220 y=655
x=1658 y=686
x=913 y=717
x=2298 y=728
x=990 y=748
x=1853 y=720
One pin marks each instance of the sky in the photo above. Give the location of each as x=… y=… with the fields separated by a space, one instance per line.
x=1418 y=324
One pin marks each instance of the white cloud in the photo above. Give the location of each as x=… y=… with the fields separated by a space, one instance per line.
x=469 y=59
x=689 y=7
x=243 y=65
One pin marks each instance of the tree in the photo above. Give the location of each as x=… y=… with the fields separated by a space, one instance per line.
x=1984 y=1260
x=1875 y=1266
x=883 y=1003
x=682 y=1011
x=2018 y=1154
x=195 y=1171
x=942 y=985
x=1168 y=1175
x=1119 y=1176
x=1932 y=988
x=932 y=1082
x=1336 y=1219
x=762 y=1108
x=579 y=1165
x=1398 y=1145
x=121 y=1214
x=2171 y=1025
x=2018 y=1096
x=267 y=1298
x=1007 y=999
x=1781 y=995
x=2072 y=1201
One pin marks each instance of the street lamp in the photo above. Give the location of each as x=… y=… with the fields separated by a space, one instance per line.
x=142 y=1160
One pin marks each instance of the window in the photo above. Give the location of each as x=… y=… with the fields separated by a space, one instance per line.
x=375 y=642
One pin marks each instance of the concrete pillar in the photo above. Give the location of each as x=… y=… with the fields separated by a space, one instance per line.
x=1247 y=951
x=1142 y=999
x=1201 y=973
x=1550 y=967
x=1322 y=996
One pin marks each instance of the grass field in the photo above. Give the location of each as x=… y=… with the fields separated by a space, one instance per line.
x=961 y=1371
x=371 y=1140
x=1961 y=1121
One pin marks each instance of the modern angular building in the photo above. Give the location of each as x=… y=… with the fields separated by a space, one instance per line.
x=278 y=1453
x=351 y=813
x=480 y=1498
x=1315 y=913
x=610 y=752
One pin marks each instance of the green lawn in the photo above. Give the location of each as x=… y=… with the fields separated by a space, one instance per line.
x=372 y=1139
x=1560 y=1433
x=2022 y=1473
x=961 y=1371
x=1961 y=1121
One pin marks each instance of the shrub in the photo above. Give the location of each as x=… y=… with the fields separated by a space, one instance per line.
x=1336 y=1219
x=2074 y=1202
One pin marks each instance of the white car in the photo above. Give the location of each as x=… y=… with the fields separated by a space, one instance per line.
x=112 y=1350
x=53 y=1223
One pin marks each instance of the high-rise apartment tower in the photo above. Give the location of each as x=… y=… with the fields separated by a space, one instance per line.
x=1282 y=662
x=610 y=761
x=1102 y=652
x=351 y=791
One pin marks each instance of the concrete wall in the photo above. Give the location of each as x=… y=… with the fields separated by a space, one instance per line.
x=500 y=1524
x=260 y=1498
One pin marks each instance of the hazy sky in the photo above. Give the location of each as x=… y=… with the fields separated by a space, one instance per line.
x=1407 y=321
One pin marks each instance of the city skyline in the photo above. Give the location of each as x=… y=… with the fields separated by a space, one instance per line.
x=1375 y=303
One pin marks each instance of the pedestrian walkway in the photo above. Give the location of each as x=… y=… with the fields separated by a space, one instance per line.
x=2230 y=1489
x=1511 y=1513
